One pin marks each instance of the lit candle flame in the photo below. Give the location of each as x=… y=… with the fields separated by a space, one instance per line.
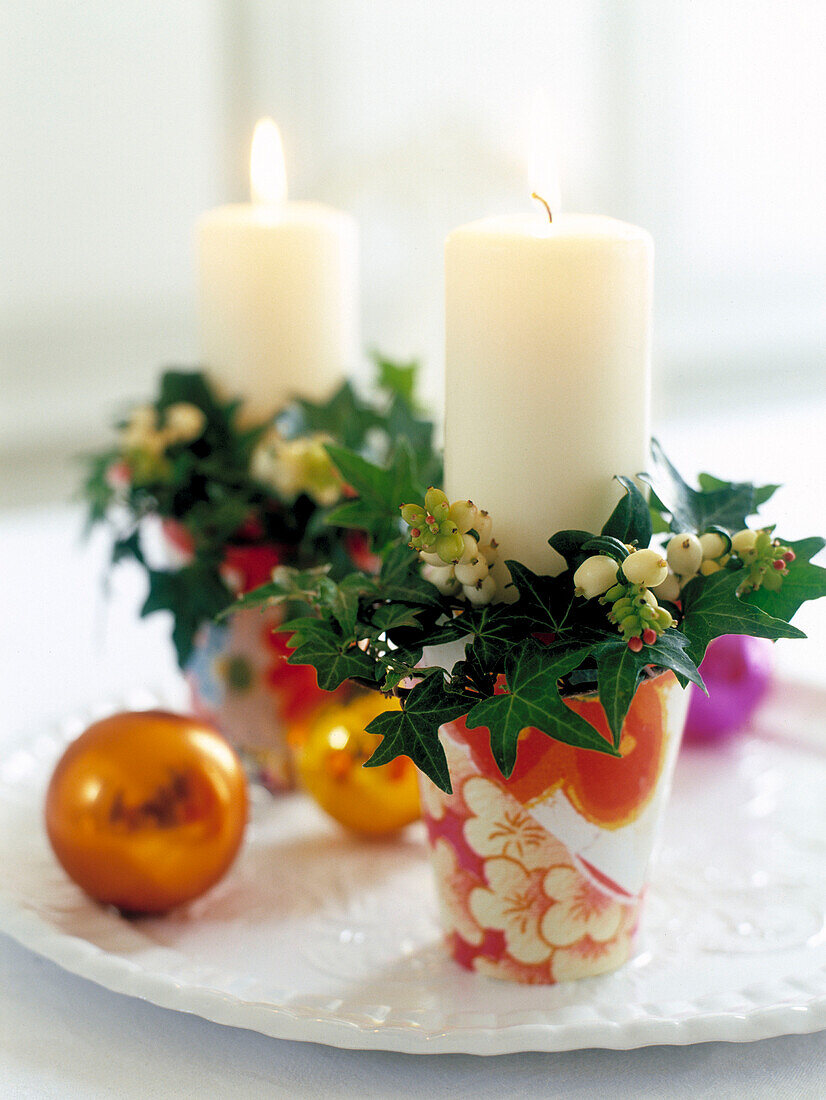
x=268 y=177
x=544 y=156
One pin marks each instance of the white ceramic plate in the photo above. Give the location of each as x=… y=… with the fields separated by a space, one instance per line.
x=317 y=936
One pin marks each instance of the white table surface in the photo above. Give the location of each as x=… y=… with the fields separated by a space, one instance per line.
x=61 y=1036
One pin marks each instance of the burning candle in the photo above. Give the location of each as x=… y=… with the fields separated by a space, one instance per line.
x=547 y=371
x=278 y=289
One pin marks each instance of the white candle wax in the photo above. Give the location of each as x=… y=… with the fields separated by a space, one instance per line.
x=547 y=372
x=278 y=292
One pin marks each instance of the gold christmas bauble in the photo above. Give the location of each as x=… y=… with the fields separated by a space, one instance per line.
x=371 y=801
x=146 y=810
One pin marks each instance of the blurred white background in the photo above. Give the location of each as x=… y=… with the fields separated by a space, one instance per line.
x=122 y=121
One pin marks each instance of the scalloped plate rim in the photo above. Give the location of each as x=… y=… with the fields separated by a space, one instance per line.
x=120 y=975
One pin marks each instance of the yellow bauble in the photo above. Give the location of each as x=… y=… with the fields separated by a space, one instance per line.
x=147 y=810
x=371 y=801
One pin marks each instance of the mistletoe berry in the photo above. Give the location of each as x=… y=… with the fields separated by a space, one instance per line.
x=484 y=526
x=430 y=558
x=469 y=573
x=743 y=542
x=437 y=505
x=414 y=516
x=669 y=589
x=595 y=576
x=645 y=567
x=480 y=593
x=490 y=552
x=684 y=554
x=443 y=578
x=464 y=514
x=444 y=543
x=765 y=560
x=450 y=545
x=714 y=545
x=471 y=549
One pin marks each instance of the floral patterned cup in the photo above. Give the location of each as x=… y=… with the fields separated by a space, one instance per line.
x=238 y=674
x=541 y=876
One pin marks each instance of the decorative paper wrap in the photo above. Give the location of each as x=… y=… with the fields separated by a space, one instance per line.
x=238 y=674
x=541 y=876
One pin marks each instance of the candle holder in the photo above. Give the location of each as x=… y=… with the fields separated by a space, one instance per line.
x=545 y=712
x=234 y=500
x=541 y=875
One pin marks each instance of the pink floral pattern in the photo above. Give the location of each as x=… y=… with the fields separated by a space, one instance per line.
x=514 y=903
x=455 y=886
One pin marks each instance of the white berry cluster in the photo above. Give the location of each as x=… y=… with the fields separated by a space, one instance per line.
x=296 y=466
x=145 y=431
x=455 y=546
x=146 y=436
x=627 y=588
x=765 y=559
x=689 y=555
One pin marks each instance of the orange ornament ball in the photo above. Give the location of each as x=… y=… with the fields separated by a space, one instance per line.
x=370 y=801
x=146 y=810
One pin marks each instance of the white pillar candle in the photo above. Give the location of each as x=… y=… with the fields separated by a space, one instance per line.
x=278 y=290
x=547 y=372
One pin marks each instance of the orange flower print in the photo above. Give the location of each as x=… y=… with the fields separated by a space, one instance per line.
x=515 y=904
x=576 y=908
x=590 y=957
x=454 y=885
x=501 y=826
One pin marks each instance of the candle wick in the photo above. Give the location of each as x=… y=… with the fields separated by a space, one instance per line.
x=545 y=204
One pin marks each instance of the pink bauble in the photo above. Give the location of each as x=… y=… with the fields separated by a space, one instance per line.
x=737 y=671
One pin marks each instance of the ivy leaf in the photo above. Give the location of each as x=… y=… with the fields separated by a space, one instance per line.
x=569 y=545
x=192 y=388
x=343 y=417
x=414 y=731
x=618 y=676
x=397 y=667
x=631 y=519
x=659 y=525
x=303 y=586
x=303 y=627
x=804 y=582
x=709 y=484
x=400 y=579
x=533 y=700
x=619 y=672
x=494 y=629
x=334 y=659
x=383 y=486
x=724 y=504
x=342 y=599
x=712 y=608
x=353 y=513
x=128 y=546
x=543 y=601
x=381 y=489
x=402 y=423
x=194 y=594
x=390 y=616
x=671 y=651
x=398 y=379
